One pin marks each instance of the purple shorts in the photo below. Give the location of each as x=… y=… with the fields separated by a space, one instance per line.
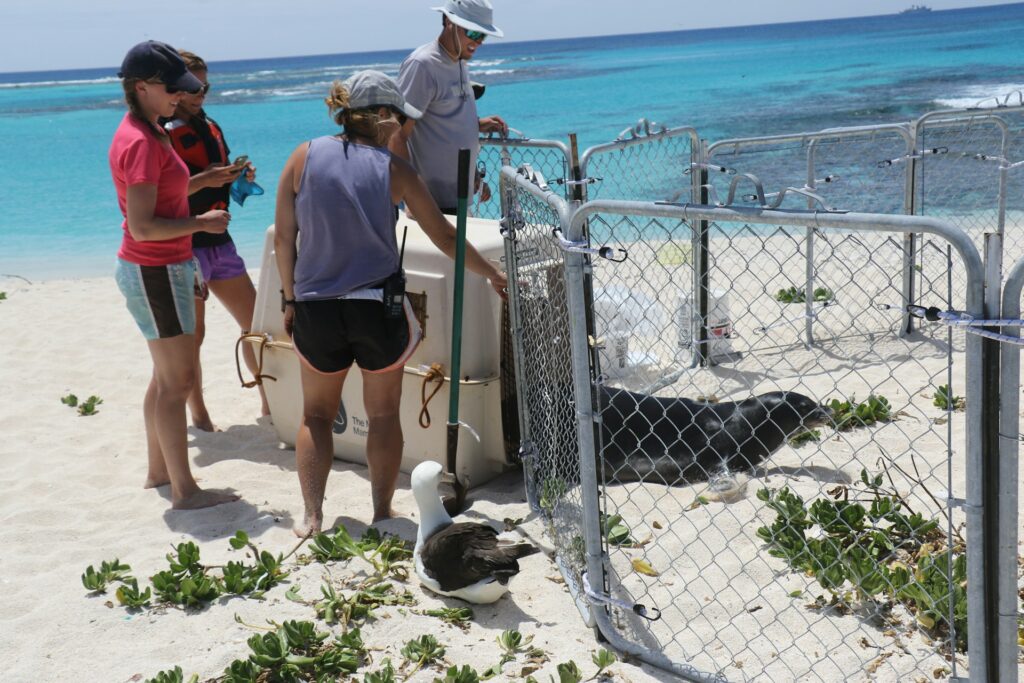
x=219 y=263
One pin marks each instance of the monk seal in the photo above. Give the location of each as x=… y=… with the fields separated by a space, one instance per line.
x=675 y=441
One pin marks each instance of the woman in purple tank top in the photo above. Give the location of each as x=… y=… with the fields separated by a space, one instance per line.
x=340 y=192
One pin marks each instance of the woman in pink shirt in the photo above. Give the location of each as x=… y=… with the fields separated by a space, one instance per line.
x=155 y=271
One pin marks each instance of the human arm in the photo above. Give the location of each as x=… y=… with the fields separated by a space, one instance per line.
x=144 y=226
x=214 y=175
x=399 y=142
x=286 y=229
x=494 y=124
x=408 y=186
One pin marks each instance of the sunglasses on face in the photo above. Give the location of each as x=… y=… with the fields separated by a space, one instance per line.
x=171 y=90
x=203 y=91
x=476 y=36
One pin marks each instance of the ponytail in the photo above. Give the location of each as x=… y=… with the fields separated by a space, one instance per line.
x=364 y=123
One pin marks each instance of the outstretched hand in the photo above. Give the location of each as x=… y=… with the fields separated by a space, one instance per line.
x=494 y=124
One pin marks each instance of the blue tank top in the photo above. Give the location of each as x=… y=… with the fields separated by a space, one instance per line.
x=346 y=219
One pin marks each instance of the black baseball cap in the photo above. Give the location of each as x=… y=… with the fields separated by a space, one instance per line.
x=155 y=60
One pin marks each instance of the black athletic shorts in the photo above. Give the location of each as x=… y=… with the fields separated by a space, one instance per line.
x=330 y=335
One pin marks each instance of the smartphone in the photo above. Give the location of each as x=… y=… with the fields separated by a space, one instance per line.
x=242 y=160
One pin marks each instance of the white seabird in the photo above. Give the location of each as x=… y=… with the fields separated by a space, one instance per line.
x=459 y=559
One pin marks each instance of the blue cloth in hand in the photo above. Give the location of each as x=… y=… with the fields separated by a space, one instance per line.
x=242 y=188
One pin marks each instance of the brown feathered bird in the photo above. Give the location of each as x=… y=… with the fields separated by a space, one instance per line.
x=460 y=559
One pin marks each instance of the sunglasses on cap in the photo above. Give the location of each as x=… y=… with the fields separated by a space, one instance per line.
x=476 y=36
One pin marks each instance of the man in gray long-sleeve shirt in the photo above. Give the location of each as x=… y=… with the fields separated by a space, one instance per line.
x=435 y=80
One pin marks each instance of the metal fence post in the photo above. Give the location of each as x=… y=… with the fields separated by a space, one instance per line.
x=809 y=276
x=515 y=322
x=909 y=239
x=510 y=219
x=1009 y=471
x=989 y=466
x=702 y=280
x=575 y=274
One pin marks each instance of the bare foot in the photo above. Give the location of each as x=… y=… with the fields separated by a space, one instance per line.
x=153 y=482
x=378 y=517
x=311 y=525
x=204 y=424
x=204 y=498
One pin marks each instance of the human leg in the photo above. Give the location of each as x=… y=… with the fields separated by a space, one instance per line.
x=196 y=403
x=161 y=300
x=314 y=445
x=382 y=397
x=173 y=377
x=157 y=473
x=239 y=296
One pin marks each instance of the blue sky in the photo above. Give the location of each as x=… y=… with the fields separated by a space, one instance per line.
x=38 y=35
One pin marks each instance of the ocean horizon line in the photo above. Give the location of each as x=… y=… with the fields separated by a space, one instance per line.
x=8 y=76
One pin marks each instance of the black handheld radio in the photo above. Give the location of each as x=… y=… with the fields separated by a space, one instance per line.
x=394 y=287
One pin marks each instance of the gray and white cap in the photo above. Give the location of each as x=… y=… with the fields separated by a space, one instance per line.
x=369 y=88
x=473 y=15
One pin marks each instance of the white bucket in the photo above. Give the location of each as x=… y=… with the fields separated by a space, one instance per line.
x=720 y=330
x=623 y=319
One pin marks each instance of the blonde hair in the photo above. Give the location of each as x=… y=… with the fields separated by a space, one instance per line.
x=362 y=122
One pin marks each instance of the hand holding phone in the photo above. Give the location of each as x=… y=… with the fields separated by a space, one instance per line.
x=241 y=161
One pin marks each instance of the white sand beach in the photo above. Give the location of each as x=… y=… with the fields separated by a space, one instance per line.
x=73 y=497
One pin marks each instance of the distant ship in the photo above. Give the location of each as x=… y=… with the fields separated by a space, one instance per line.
x=916 y=9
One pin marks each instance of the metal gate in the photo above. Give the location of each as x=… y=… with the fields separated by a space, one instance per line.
x=674 y=569
x=550 y=158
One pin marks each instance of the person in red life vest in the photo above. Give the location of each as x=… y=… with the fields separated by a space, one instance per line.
x=155 y=269
x=200 y=142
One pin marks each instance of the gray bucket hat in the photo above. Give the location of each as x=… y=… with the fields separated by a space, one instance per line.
x=371 y=88
x=473 y=15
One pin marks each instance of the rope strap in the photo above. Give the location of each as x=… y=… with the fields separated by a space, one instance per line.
x=605 y=599
x=257 y=380
x=434 y=374
x=960 y=318
x=968 y=322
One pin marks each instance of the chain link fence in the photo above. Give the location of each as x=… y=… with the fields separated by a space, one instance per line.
x=540 y=335
x=692 y=574
x=842 y=170
x=645 y=162
x=550 y=158
x=656 y=339
x=705 y=530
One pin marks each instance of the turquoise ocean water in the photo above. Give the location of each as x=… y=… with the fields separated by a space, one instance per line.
x=58 y=211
